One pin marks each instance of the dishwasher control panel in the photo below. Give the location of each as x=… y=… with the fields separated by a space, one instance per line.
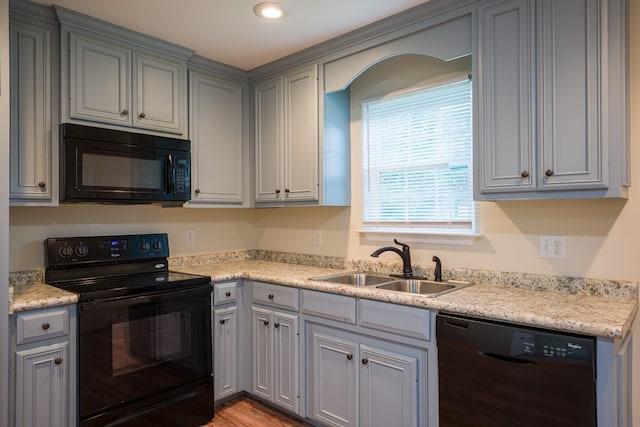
x=526 y=343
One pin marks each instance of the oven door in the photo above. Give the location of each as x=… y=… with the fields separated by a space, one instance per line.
x=136 y=347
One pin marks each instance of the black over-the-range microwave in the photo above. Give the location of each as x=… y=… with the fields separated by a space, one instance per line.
x=110 y=166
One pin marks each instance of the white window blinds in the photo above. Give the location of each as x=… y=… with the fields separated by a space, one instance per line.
x=417 y=159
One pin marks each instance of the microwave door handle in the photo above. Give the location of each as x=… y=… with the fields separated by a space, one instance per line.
x=171 y=174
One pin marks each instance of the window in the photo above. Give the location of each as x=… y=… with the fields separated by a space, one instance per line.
x=417 y=160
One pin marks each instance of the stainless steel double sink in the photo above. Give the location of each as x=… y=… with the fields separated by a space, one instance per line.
x=413 y=286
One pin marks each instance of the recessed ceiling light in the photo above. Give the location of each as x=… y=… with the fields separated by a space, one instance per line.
x=269 y=10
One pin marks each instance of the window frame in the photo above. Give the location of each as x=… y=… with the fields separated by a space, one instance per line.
x=458 y=233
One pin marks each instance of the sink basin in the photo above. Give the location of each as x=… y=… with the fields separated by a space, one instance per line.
x=423 y=287
x=356 y=279
x=413 y=286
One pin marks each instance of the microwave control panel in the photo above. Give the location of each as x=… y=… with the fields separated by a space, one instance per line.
x=183 y=176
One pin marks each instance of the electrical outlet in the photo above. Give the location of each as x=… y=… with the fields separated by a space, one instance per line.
x=553 y=247
x=189 y=237
x=317 y=237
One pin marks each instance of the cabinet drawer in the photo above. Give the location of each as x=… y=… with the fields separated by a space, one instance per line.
x=402 y=320
x=42 y=324
x=225 y=292
x=330 y=306
x=276 y=296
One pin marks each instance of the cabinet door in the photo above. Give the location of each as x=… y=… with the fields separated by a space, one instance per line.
x=216 y=139
x=269 y=151
x=100 y=81
x=42 y=387
x=159 y=94
x=572 y=146
x=287 y=361
x=388 y=388
x=225 y=350
x=334 y=392
x=505 y=151
x=262 y=354
x=301 y=135
x=31 y=116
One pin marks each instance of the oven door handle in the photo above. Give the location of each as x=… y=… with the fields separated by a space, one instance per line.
x=143 y=299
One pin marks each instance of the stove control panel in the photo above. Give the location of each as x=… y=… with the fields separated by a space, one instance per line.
x=63 y=251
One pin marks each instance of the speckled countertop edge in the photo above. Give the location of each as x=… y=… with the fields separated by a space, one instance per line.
x=592 y=307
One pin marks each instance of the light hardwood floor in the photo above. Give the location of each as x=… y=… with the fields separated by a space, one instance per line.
x=248 y=412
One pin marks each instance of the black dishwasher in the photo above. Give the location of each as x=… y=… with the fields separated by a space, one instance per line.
x=503 y=375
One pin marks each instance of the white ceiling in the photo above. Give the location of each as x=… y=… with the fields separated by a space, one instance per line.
x=227 y=30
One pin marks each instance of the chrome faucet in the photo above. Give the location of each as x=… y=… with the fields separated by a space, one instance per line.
x=407 y=271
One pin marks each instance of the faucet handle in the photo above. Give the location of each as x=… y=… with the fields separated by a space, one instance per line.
x=405 y=247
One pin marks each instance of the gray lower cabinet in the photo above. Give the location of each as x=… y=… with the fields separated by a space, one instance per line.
x=225 y=324
x=551 y=99
x=373 y=372
x=44 y=368
x=275 y=330
x=617 y=383
x=33 y=35
x=225 y=339
x=357 y=384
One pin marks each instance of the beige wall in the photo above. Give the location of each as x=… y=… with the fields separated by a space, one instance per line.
x=214 y=229
x=602 y=235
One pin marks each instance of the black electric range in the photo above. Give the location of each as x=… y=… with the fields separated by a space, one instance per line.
x=144 y=332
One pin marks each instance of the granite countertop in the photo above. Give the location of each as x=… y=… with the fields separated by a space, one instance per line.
x=31 y=296
x=586 y=314
x=604 y=316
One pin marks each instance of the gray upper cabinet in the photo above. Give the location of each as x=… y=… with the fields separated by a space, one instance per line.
x=286 y=135
x=550 y=108
x=33 y=38
x=268 y=129
x=216 y=133
x=160 y=101
x=116 y=77
x=100 y=76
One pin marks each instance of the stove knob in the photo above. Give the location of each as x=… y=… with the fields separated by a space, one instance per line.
x=156 y=245
x=65 y=251
x=82 y=250
x=144 y=246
